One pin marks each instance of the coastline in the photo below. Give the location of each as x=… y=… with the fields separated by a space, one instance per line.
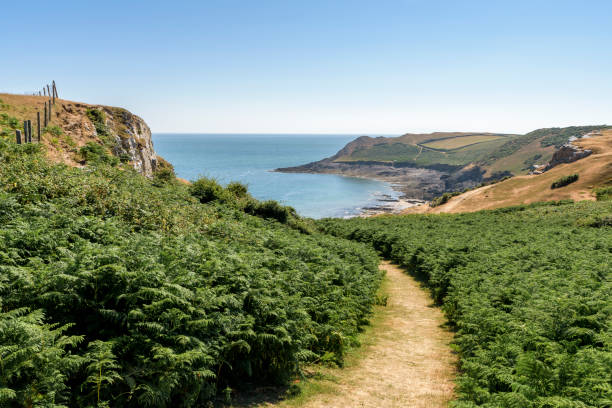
x=390 y=205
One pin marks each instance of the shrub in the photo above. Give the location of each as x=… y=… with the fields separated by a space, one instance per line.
x=94 y=153
x=603 y=193
x=237 y=189
x=564 y=181
x=443 y=199
x=163 y=176
x=98 y=118
x=269 y=209
x=206 y=190
x=53 y=130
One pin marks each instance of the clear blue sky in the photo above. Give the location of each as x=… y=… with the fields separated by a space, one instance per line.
x=365 y=67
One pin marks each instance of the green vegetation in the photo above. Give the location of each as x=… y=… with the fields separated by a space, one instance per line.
x=527 y=289
x=53 y=130
x=270 y=209
x=603 y=193
x=564 y=181
x=206 y=190
x=417 y=155
x=443 y=199
x=530 y=161
x=457 y=142
x=547 y=137
x=94 y=153
x=98 y=118
x=119 y=291
x=486 y=151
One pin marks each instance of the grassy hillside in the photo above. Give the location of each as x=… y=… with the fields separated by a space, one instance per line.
x=594 y=171
x=495 y=153
x=527 y=289
x=451 y=150
x=119 y=291
x=458 y=142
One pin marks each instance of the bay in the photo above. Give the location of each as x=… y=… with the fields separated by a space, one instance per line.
x=250 y=159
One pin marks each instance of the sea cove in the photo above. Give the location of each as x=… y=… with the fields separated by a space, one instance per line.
x=250 y=159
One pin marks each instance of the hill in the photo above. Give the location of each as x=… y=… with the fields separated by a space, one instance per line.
x=426 y=165
x=75 y=125
x=593 y=171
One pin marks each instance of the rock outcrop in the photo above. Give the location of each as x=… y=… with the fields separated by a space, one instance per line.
x=133 y=140
x=567 y=153
x=126 y=135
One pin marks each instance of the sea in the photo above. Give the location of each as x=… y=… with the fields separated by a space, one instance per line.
x=250 y=159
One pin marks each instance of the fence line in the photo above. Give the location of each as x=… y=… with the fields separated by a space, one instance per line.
x=49 y=91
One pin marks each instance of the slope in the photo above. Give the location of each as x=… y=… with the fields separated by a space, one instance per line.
x=593 y=171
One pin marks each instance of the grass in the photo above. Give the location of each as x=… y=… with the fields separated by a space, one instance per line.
x=458 y=142
x=493 y=152
x=410 y=153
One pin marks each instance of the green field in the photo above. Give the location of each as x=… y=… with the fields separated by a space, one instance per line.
x=528 y=290
x=408 y=153
x=458 y=142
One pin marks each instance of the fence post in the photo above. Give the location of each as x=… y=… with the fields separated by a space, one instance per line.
x=49 y=110
x=29 y=131
x=45 y=114
x=25 y=131
x=48 y=92
x=55 y=91
x=18 y=136
x=38 y=124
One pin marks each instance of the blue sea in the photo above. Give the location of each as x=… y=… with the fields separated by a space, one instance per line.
x=249 y=158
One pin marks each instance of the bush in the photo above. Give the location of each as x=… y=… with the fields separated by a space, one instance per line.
x=206 y=190
x=98 y=118
x=603 y=193
x=94 y=153
x=564 y=181
x=237 y=189
x=53 y=130
x=443 y=199
x=269 y=209
x=163 y=176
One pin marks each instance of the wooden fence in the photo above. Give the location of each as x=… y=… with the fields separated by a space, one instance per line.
x=26 y=136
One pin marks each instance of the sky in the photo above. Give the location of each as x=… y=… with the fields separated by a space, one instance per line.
x=320 y=66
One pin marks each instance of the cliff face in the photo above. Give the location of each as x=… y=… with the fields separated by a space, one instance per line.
x=132 y=139
x=74 y=125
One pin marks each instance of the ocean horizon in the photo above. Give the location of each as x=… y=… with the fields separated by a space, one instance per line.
x=251 y=158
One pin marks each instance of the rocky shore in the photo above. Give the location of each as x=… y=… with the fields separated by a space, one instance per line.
x=390 y=205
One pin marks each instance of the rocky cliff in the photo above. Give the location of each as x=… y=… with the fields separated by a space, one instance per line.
x=132 y=138
x=74 y=125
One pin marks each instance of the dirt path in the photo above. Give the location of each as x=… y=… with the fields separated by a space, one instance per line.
x=406 y=362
